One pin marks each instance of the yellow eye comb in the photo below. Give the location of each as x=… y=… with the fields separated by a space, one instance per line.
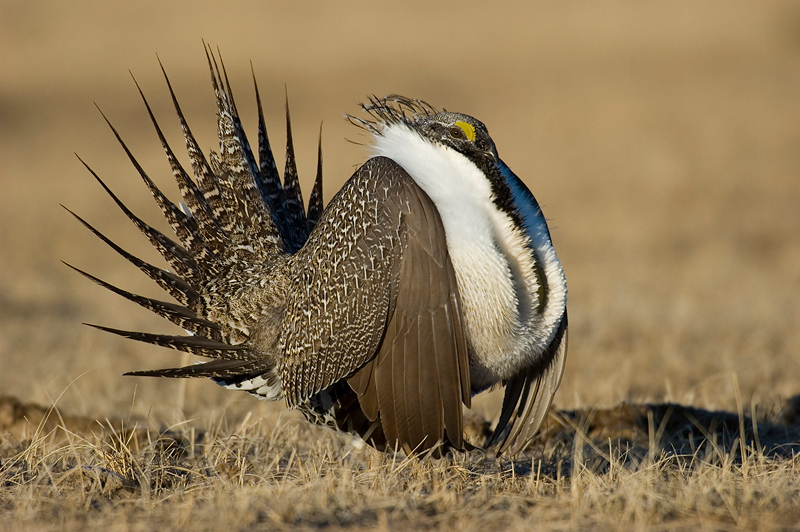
x=468 y=129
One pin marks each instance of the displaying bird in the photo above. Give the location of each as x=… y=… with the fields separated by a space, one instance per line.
x=428 y=278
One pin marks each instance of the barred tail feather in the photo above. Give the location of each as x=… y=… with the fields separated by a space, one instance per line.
x=315 y=204
x=206 y=180
x=186 y=226
x=267 y=179
x=235 y=218
x=294 y=207
x=177 y=257
x=196 y=345
x=215 y=369
x=168 y=281
x=237 y=171
x=177 y=314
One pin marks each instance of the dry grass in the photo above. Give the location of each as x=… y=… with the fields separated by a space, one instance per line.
x=591 y=470
x=662 y=140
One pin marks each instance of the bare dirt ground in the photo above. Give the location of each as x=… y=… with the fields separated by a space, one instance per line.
x=663 y=141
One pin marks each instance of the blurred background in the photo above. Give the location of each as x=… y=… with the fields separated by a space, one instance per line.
x=661 y=138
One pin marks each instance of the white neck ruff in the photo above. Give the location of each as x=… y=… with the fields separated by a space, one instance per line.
x=494 y=260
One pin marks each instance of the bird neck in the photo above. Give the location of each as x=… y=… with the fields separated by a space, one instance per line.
x=511 y=283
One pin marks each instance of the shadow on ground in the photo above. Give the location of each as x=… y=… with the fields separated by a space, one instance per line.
x=634 y=435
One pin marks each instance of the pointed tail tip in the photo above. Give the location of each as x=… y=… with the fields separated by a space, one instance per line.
x=144 y=373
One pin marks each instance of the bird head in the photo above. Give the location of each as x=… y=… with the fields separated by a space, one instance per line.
x=460 y=132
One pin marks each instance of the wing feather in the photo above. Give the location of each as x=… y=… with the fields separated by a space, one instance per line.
x=528 y=398
x=393 y=302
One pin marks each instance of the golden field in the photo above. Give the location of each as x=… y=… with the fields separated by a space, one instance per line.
x=662 y=140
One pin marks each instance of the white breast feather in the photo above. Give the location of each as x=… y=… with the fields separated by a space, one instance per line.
x=456 y=185
x=491 y=258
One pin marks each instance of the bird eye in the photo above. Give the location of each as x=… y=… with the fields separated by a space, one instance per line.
x=456 y=132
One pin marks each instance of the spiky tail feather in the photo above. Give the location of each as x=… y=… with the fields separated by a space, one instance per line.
x=236 y=214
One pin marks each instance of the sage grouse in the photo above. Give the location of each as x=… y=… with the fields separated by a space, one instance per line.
x=428 y=278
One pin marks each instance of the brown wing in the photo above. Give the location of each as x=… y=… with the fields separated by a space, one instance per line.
x=380 y=305
x=420 y=377
x=528 y=397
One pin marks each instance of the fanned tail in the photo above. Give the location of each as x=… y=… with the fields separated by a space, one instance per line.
x=236 y=221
